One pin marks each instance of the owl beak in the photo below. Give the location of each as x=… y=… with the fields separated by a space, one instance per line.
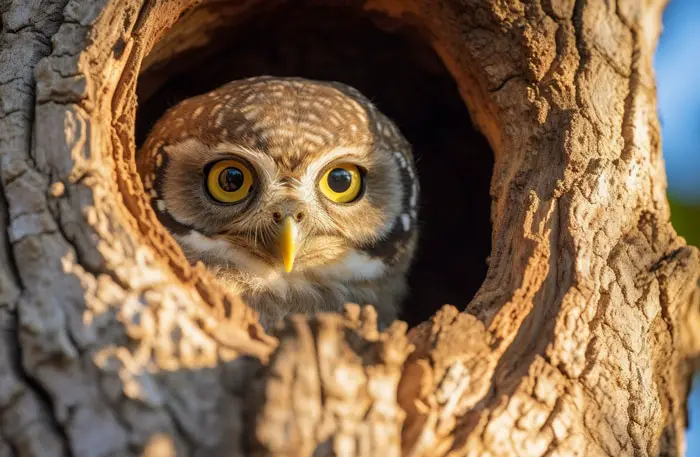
x=288 y=242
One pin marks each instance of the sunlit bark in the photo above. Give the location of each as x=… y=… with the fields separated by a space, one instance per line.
x=575 y=344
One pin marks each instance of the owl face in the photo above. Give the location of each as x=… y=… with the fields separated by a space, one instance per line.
x=272 y=176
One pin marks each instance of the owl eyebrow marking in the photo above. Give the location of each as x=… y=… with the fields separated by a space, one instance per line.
x=265 y=162
x=357 y=152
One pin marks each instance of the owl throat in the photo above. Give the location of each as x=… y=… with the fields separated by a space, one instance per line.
x=364 y=275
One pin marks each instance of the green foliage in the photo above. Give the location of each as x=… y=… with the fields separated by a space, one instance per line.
x=685 y=217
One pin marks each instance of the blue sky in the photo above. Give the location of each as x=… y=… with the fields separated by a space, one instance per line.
x=678 y=82
x=693 y=435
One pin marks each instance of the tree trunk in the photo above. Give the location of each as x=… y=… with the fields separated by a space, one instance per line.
x=579 y=341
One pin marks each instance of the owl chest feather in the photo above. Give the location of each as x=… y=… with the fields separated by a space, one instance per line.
x=327 y=289
x=356 y=277
x=306 y=294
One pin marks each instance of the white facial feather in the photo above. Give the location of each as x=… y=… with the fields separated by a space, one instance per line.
x=223 y=251
x=354 y=266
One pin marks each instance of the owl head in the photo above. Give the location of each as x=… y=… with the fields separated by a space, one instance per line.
x=284 y=176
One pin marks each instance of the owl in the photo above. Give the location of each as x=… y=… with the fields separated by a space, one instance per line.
x=298 y=195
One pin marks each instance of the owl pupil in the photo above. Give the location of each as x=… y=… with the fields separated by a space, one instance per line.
x=339 y=180
x=231 y=179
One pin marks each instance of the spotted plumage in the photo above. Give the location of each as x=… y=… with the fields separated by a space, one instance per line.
x=298 y=195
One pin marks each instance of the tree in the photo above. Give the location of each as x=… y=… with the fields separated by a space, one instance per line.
x=579 y=340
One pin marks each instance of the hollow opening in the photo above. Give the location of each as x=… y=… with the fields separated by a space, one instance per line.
x=398 y=70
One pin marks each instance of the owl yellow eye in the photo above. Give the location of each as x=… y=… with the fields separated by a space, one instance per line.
x=342 y=183
x=229 y=181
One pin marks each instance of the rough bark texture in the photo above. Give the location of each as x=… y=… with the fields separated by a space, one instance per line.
x=579 y=341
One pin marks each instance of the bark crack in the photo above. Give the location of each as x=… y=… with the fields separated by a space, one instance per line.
x=44 y=396
x=577 y=21
x=517 y=76
x=628 y=126
x=10 y=261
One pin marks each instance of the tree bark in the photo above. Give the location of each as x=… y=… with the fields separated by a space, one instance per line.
x=579 y=341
